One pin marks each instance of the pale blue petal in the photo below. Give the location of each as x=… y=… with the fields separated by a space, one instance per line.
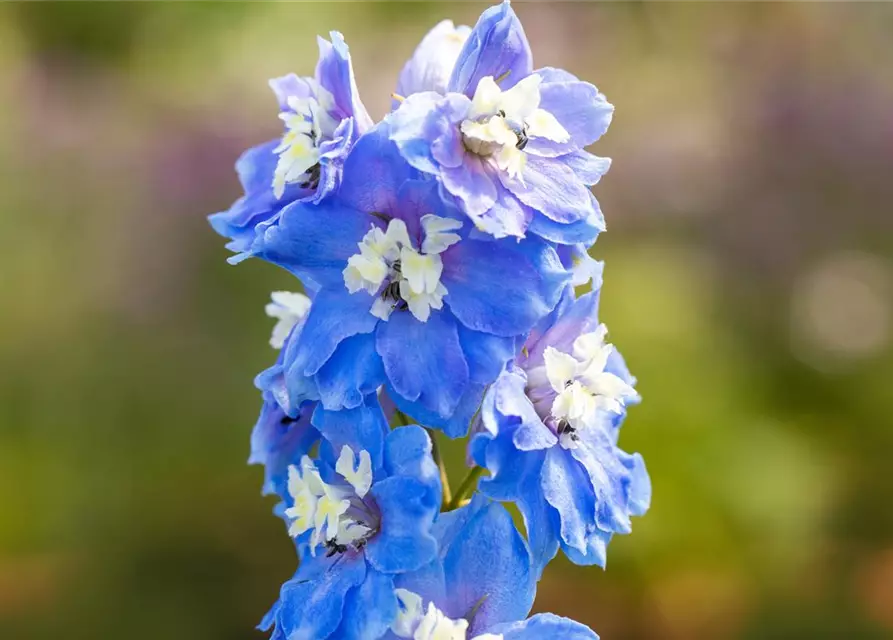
x=551 y=187
x=581 y=110
x=496 y=46
x=335 y=74
x=544 y=625
x=566 y=487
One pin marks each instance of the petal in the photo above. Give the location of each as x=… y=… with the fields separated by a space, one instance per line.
x=289 y=86
x=354 y=371
x=408 y=508
x=453 y=426
x=334 y=316
x=588 y=168
x=487 y=566
x=502 y=287
x=316 y=240
x=313 y=608
x=471 y=184
x=584 y=231
x=432 y=63
x=544 y=625
x=278 y=441
x=579 y=108
x=335 y=74
x=551 y=187
x=496 y=46
x=362 y=429
x=423 y=360
x=485 y=353
x=578 y=317
x=408 y=453
x=369 y=609
x=374 y=172
x=567 y=489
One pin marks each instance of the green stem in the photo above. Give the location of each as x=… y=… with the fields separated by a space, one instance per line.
x=444 y=478
x=467 y=487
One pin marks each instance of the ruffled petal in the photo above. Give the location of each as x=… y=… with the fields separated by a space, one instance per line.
x=408 y=508
x=487 y=565
x=432 y=63
x=497 y=47
x=362 y=429
x=423 y=360
x=502 y=287
x=552 y=188
x=354 y=371
x=335 y=74
x=334 y=316
x=369 y=609
x=566 y=488
x=485 y=353
x=408 y=453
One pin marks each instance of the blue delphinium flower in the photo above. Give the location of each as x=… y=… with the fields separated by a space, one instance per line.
x=480 y=587
x=361 y=518
x=409 y=295
x=506 y=142
x=323 y=118
x=547 y=432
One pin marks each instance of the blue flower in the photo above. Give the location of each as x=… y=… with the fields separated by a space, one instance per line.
x=506 y=143
x=362 y=515
x=548 y=433
x=408 y=295
x=480 y=587
x=323 y=118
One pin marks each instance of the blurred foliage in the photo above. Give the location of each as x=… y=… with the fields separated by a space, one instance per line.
x=749 y=284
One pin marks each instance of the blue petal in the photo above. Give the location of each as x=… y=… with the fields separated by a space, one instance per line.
x=502 y=287
x=354 y=371
x=408 y=508
x=291 y=85
x=487 y=566
x=374 y=172
x=423 y=360
x=552 y=188
x=581 y=110
x=369 y=609
x=363 y=428
x=584 y=231
x=335 y=74
x=432 y=63
x=496 y=46
x=578 y=317
x=335 y=315
x=588 y=168
x=427 y=582
x=456 y=425
x=278 y=441
x=408 y=453
x=544 y=625
x=472 y=184
x=485 y=353
x=312 y=609
x=316 y=240
x=567 y=489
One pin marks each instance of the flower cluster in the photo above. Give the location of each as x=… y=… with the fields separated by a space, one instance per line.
x=441 y=252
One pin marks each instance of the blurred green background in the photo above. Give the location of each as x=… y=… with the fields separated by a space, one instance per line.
x=749 y=283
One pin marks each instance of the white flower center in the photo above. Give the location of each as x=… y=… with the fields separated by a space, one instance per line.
x=390 y=268
x=307 y=124
x=570 y=391
x=414 y=623
x=336 y=513
x=289 y=308
x=500 y=123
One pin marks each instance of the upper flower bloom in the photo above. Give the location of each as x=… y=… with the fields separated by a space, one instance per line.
x=408 y=296
x=323 y=118
x=548 y=433
x=361 y=517
x=481 y=586
x=505 y=141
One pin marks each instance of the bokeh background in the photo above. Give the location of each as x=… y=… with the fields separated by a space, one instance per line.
x=749 y=283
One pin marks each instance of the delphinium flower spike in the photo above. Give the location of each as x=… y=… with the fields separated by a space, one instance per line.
x=439 y=252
